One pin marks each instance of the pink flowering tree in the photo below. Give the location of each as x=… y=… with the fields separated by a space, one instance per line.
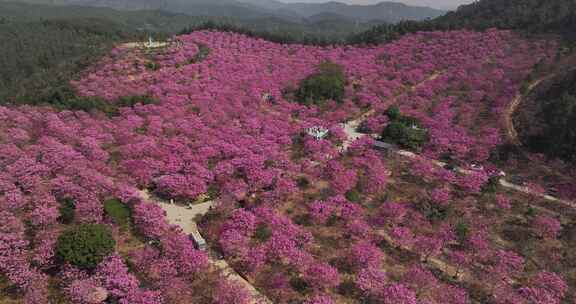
x=545 y=287
x=546 y=226
x=364 y=254
x=322 y=276
x=320 y=299
x=371 y=280
x=397 y=294
x=115 y=277
x=428 y=246
x=229 y=292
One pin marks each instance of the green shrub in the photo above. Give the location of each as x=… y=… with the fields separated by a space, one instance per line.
x=531 y=212
x=85 y=246
x=462 y=231
x=65 y=98
x=262 y=233
x=203 y=52
x=327 y=83
x=353 y=195
x=303 y=220
x=211 y=216
x=557 y=117
x=393 y=113
x=300 y=285
x=67 y=210
x=213 y=192
x=492 y=185
x=154 y=66
x=130 y=101
x=434 y=213
x=348 y=288
x=404 y=130
x=410 y=137
x=117 y=211
x=302 y=182
x=332 y=220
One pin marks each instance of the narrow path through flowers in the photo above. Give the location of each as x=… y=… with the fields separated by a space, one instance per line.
x=185 y=218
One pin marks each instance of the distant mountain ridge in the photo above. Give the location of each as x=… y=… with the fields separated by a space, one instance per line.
x=247 y=9
x=553 y=16
x=325 y=27
x=389 y=11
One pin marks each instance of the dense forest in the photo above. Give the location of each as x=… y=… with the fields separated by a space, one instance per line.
x=148 y=21
x=556 y=117
x=533 y=15
x=40 y=57
x=389 y=32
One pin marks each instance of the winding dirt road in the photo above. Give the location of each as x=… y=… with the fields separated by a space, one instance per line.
x=511 y=132
x=352 y=135
x=184 y=217
x=513 y=138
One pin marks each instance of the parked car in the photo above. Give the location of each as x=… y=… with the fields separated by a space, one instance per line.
x=476 y=167
x=198 y=241
x=493 y=171
x=552 y=191
x=450 y=167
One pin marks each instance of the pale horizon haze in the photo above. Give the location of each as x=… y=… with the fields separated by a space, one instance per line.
x=441 y=4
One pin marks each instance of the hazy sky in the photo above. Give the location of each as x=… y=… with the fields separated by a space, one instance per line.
x=432 y=3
